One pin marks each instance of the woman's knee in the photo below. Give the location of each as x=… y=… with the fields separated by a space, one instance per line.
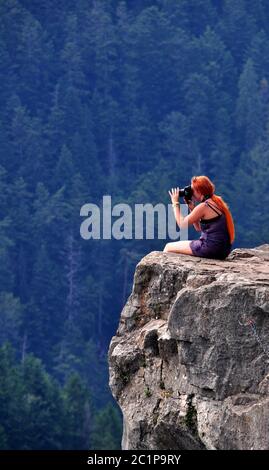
x=178 y=247
x=166 y=248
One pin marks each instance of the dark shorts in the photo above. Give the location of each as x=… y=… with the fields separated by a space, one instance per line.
x=205 y=249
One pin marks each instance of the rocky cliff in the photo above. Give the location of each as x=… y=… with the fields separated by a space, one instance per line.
x=189 y=364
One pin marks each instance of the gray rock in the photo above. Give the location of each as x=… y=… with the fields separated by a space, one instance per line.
x=189 y=363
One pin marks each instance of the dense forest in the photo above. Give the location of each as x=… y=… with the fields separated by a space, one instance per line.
x=120 y=98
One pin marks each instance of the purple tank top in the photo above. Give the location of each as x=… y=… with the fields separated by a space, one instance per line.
x=214 y=241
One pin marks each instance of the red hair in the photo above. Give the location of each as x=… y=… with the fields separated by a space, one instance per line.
x=206 y=187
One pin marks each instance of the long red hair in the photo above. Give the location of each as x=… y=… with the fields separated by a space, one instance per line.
x=205 y=186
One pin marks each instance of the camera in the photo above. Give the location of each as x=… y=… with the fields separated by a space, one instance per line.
x=186 y=192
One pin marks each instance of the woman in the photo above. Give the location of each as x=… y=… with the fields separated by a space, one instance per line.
x=217 y=231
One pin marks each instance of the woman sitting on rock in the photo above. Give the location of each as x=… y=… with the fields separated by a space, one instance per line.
x=217 y=231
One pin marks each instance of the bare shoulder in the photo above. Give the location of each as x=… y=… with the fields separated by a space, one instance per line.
x=211 y=202
x=196 y=214
x=200 y=209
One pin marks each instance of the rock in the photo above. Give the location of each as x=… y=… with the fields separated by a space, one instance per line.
x=189 y=363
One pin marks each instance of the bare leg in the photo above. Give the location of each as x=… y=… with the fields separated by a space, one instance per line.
x=182 y=247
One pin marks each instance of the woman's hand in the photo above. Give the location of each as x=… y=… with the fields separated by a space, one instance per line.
x=174 y=194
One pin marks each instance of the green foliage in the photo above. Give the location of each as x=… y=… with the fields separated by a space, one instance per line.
x=191 y=415
x=249 y=106
x=35 y=412
x=78 y=410
x=147 y=392
x=107 y=429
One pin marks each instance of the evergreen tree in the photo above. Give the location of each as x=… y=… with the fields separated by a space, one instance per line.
x=106 y=432
x=249 y=108
x=78 y=411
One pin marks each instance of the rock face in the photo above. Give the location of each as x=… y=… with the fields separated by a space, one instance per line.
x=189 y=364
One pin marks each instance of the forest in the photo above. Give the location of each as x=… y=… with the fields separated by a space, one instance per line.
x=121 y=98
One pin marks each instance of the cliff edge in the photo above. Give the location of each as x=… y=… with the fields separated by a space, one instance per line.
x=189 y=364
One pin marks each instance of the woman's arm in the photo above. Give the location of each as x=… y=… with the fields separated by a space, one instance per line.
x=191 y=206
x=193 y=218
x=197 y=226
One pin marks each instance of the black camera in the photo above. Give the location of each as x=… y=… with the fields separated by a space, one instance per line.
x=186 y=192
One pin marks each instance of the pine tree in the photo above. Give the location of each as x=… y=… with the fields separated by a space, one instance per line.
x=106 y=432
x=79 y=414
x=249 y=108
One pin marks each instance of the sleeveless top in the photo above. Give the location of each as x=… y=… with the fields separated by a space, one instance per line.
x=214 y=241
